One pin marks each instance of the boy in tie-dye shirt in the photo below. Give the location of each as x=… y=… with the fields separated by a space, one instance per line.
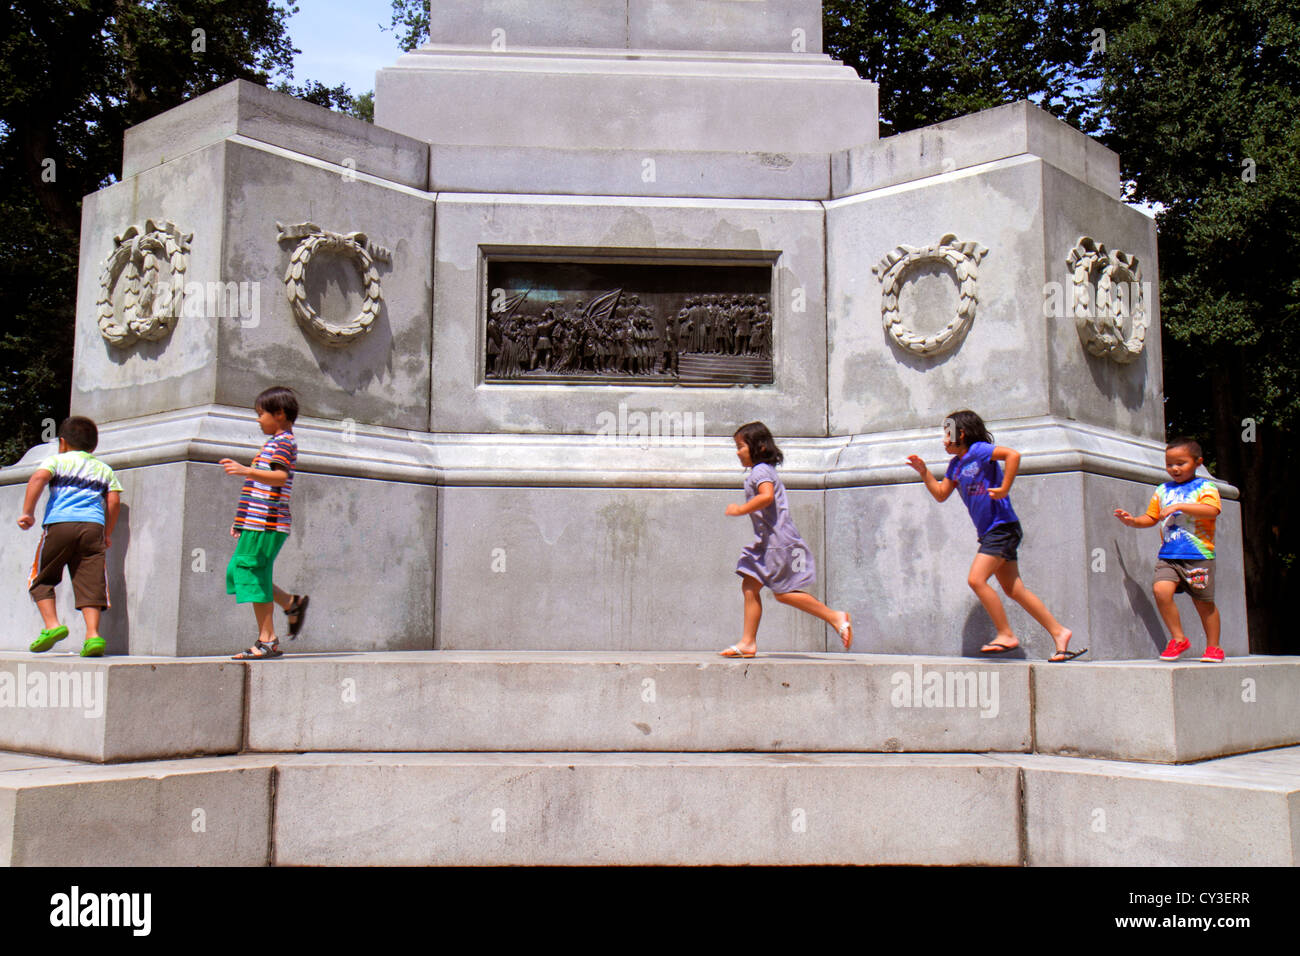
x=1186 y=509
x=262 y=522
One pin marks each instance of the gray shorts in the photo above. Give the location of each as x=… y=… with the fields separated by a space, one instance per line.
x=1194 y=577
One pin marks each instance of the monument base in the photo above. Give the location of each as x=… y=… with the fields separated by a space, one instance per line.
x=458 y=758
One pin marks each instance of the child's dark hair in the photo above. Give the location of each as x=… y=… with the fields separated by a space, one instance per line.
x=967 y=428
x=1192 y=445
x=277 y=399
x=80 y=433
x=762 y=447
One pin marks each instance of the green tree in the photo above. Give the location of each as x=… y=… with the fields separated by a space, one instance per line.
x=937 y=59
x=1202 y=103
x=77 y=74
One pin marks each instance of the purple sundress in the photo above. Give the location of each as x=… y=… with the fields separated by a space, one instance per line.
x=778 y=558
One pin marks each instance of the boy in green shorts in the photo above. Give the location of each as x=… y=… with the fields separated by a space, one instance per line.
x=262 y=522
x=79 y=517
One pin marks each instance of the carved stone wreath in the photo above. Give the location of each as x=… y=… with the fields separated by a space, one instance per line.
x=1098 y=318
x=963 y=259
x=149 y=309
x=355 y=246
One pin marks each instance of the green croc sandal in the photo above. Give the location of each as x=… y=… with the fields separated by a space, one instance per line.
x=94 y=647
x=49 y=637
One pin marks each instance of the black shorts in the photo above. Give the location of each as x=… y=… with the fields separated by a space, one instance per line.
x=1002 y=540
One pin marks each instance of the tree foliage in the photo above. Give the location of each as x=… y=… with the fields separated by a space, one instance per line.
x=1202 y=102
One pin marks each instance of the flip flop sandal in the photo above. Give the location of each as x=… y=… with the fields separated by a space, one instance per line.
x=297 y=613
x=999 y=648
x=1065 y=656
x=736 y=652
x=268 y=651
x=48 y=638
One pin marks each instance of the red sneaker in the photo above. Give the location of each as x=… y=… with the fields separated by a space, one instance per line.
x=1213 y=655
x=1175 y=649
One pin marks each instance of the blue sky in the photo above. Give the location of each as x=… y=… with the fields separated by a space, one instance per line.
x=341 y=42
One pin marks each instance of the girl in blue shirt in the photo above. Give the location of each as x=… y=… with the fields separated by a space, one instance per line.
x=975 y=473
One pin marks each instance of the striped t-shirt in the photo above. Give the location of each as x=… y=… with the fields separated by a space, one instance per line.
x=78 y=487
x=262 y=507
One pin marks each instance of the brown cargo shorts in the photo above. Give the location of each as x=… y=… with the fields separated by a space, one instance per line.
x=79 y=547
x=1194 y=577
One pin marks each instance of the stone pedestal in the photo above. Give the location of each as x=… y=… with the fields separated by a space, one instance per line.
x=441 y=502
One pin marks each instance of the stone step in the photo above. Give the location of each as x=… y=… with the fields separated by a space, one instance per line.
x=106 y=710
x=208 y=811
x=451 y=701
x=323 y=809
x=1233 y=811
x=112 y=709
x=1165 y=712
x=645 y=809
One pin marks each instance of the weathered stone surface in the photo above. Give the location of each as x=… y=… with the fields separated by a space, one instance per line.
x=665 y=809
x=637 y=701
x=966 y=141
x=775 y=103
x=1173 y=712
x=212 y=811
x=1238 y=811
x=247 y=110
x=107 y=709
x=635 y=24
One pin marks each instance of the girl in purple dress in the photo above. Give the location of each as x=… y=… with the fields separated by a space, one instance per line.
x=778 y=558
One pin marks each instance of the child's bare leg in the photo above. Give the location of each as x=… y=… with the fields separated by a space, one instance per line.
x=265 y=626
x=806 y=602
x=1209 y=612
x=281 y=596
x=1164 y=594
x=1014 y=588
x=49 y=614
x=91 y=616
x=751 y=588
x=981 y=569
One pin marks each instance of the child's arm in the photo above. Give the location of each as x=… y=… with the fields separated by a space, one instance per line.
x=939 y=489
x=766 y=495
x=35 y=485
x=275 y=477
x=112 y=504
x=1135 y=521
x=1012 y=459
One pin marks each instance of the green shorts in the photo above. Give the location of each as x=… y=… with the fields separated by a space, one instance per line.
x=248 y=575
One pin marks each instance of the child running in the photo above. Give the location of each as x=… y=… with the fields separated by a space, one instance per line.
x=262 y=523
x=778 y=558
x=975 y=472
x=85 y=498
x=1186 y=558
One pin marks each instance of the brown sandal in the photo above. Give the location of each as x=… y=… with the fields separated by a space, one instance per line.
x=267 y=651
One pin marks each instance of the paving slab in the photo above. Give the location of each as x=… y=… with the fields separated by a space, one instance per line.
x=208 y=811
x=441 y=701
x=644 y=809
x=115 y=709
x=1234 y=811
x=1166 y=712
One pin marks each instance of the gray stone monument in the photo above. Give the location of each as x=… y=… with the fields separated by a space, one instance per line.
x=526 y=310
